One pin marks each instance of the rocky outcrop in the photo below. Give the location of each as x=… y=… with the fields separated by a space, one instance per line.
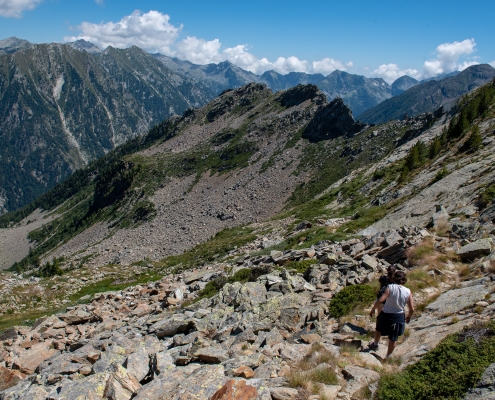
x=300 y=94
x=332 y=121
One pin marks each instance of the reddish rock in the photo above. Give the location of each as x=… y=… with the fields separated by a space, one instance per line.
x=236 y=390
x=9 y=378
x=28 y=362
x=244 y=372
x=28 y=344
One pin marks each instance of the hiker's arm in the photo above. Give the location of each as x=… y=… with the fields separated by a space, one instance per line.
x=380 y=301
x=410 y=306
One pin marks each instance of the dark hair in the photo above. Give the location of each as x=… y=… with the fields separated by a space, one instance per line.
x=391 y=271
x=400 y=277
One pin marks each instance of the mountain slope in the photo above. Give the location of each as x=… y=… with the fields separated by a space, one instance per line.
x=237 y=160
x=61 y=107
x=430 y=95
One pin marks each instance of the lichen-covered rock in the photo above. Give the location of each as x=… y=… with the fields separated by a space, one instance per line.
x=120 y=385
x=178 y=323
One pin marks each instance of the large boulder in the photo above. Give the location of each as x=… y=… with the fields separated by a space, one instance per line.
x=479 y=248
x=455 y=300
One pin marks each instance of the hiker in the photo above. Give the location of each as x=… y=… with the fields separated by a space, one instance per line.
x=392 y=321
x=385 y=280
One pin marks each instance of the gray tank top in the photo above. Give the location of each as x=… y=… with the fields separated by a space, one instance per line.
x=397 y=299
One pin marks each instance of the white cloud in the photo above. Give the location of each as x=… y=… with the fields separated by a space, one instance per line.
x=14 y=8
x=328 y=65
x=447 y=57
x=198 y=51
x=153 y=32
x=150 y=31
x=492 y=63
x=391 y=72
x=99 y=2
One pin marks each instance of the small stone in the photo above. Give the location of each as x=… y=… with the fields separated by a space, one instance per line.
x=311 y=338
x=244 y=372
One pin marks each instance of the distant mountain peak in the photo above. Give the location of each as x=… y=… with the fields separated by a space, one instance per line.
x=84 y=45
x=403 y=83
x=13 y=44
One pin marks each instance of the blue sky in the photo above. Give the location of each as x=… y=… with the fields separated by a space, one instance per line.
x=373 y=38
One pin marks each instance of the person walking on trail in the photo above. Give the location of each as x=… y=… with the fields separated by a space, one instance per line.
x=384 y=281
x=391 y=321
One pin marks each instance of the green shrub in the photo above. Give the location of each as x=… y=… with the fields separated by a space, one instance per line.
x=474 y=140
x=441 y=174
x=487 y=196
x=349 y=298
x=446 y=372
x=50 y=269
x=300 y=266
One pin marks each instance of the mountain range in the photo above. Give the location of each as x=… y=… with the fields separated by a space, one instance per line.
x=63 y=105
x=429 y=95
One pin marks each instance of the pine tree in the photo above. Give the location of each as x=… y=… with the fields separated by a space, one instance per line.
x=474 y=141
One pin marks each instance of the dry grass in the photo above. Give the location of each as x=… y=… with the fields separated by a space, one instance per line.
x=417 y=254
x=305 y=375
x=363 y=394
x=442 y=229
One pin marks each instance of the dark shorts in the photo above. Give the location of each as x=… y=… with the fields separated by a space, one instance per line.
x=391 y=325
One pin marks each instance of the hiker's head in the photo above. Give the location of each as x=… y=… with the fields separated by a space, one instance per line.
x=391 y=271
x=400 y=277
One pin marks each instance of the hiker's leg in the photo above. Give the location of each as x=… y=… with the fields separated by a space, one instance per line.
x=391 y=347
x=378 y=335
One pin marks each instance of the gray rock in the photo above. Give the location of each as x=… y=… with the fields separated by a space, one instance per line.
x=458 y=299
x=211 y=354
x=369 y=262
x=137 y=364
x=358 y=377
x=171 y=326
x=479 y=248
x=283 y=393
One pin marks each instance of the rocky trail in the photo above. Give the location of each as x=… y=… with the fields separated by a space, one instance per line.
x=251 y=340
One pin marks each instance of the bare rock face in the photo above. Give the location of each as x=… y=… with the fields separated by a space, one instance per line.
x=300 y=94
x=229 y=99
x=332 y=121
x=458 y=299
